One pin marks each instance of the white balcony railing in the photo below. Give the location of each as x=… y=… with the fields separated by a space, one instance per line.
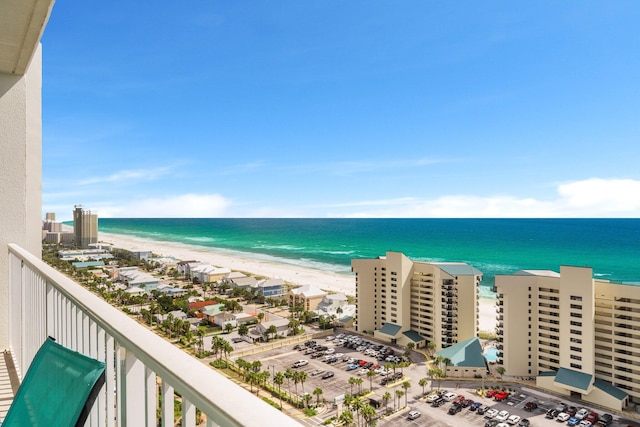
x=144 y=372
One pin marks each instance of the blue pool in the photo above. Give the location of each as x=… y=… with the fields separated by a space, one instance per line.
x=491 y=354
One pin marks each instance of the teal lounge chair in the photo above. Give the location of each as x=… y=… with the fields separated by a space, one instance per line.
x=58 y=390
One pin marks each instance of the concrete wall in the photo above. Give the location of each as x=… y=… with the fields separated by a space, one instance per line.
x=20 y=171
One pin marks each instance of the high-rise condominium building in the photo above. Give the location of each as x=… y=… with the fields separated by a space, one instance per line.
x=403 y=301
x=85 y=227
x=578 y=336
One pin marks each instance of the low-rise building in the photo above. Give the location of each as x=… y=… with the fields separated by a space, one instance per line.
x=307 y=296
x=270 y=288
x=133 y=277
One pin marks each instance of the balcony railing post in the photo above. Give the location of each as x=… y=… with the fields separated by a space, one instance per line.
x=167 y=404
x=152 y=397
x=133 y=389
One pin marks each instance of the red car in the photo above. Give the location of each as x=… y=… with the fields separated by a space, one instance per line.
x=501 y=395
x=491 y=393
x=458 y=399
x=593 y=417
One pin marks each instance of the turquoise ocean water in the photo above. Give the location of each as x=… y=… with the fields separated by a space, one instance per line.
x=494 y=246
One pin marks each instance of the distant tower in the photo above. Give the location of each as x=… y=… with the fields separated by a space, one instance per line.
x=50 y=216
x=85 y=227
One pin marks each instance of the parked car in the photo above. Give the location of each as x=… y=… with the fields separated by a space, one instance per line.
x=450 y=396
x=530 y=406
x=482 y=410
x=563 y=417
x=585 y=423
x=593 y=417
x=328 y=374
x=491 y=423
x=551 y=414
x=605 y=420
x=582 y=413
x=500 y=396
x=413 y=415
x=432 y=397
x=573 y=421
x=300 y=363
x=474 y=406
x=491 y=392
x=466 y=403
x=524 y=423
x=514 y=419
x=502 y=416
x=491 y=413
x=454 y=409
x=352 y=367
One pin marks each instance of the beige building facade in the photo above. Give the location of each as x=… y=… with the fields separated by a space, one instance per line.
x=576 y=335
x=404 y=301
x=85 y=227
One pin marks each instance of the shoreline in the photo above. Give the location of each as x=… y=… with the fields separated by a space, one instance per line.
x=298 y=275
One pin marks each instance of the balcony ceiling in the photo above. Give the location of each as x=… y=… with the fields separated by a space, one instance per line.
x=22 y=23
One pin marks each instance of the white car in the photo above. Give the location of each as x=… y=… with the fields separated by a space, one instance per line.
x=338 y=355
x=300 y=363
x=582 y=413
x=330 y=351
x=562 y=417
x=502 y=416
x=450 y=396
x=413 y=415
x=433 y=397
x=363 y=371
x=585 y=423
x=513 y=419
x=502 y=425
x=330 y=338
x=491 y=413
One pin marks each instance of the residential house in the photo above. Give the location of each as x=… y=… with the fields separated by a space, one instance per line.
x=307 y=296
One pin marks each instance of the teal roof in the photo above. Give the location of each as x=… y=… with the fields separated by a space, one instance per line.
x=458 y=269
x=465 y=353
x=212 y=310
x=575 y=379
x=610 y=389
x=413 y=336
x=547 y=374
x=390 y=329
x=85 y=264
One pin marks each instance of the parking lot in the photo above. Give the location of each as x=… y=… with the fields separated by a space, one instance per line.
x=279 y=360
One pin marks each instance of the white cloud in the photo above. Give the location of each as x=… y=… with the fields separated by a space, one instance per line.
x=181 y=206
x=590 y=198
x=127 y=175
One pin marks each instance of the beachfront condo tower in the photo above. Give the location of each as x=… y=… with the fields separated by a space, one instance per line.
x=577 y=336
x=403 y=301
x=85 y=227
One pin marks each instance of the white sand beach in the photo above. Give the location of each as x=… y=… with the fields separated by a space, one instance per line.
x=326 y=280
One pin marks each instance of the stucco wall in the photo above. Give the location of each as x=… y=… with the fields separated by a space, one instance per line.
x=20 y=171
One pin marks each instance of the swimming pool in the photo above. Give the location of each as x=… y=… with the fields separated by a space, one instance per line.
x=491 y=354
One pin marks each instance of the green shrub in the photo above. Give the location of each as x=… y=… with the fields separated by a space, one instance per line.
x=309 y=412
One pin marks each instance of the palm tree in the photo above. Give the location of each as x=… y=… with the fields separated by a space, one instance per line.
x=228 y=327
x=356 y=405
x=278 y=379
x=293 y=325
x=243 y=330
x=399 y=394
x=359 y=382
x=346 y=418
x=422 y=383
x=288 y=374
x=256 y=365
x=406 y=386
x=273 y=330
x=201 y=332
x=369 y=415
x=386 y=397
x=317 y=392
x=352 y=381
x=431 y=346
x=370 y=374
x=303 y=378
x=501 y=370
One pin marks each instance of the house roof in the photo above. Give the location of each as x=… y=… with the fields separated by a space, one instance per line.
x=390 y=329
x=199 y=304
x=308 y=291
x=212 y=310
x=465 y=353
x=575 y=379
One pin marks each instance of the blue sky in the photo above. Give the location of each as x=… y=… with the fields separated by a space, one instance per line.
x=342 y=109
